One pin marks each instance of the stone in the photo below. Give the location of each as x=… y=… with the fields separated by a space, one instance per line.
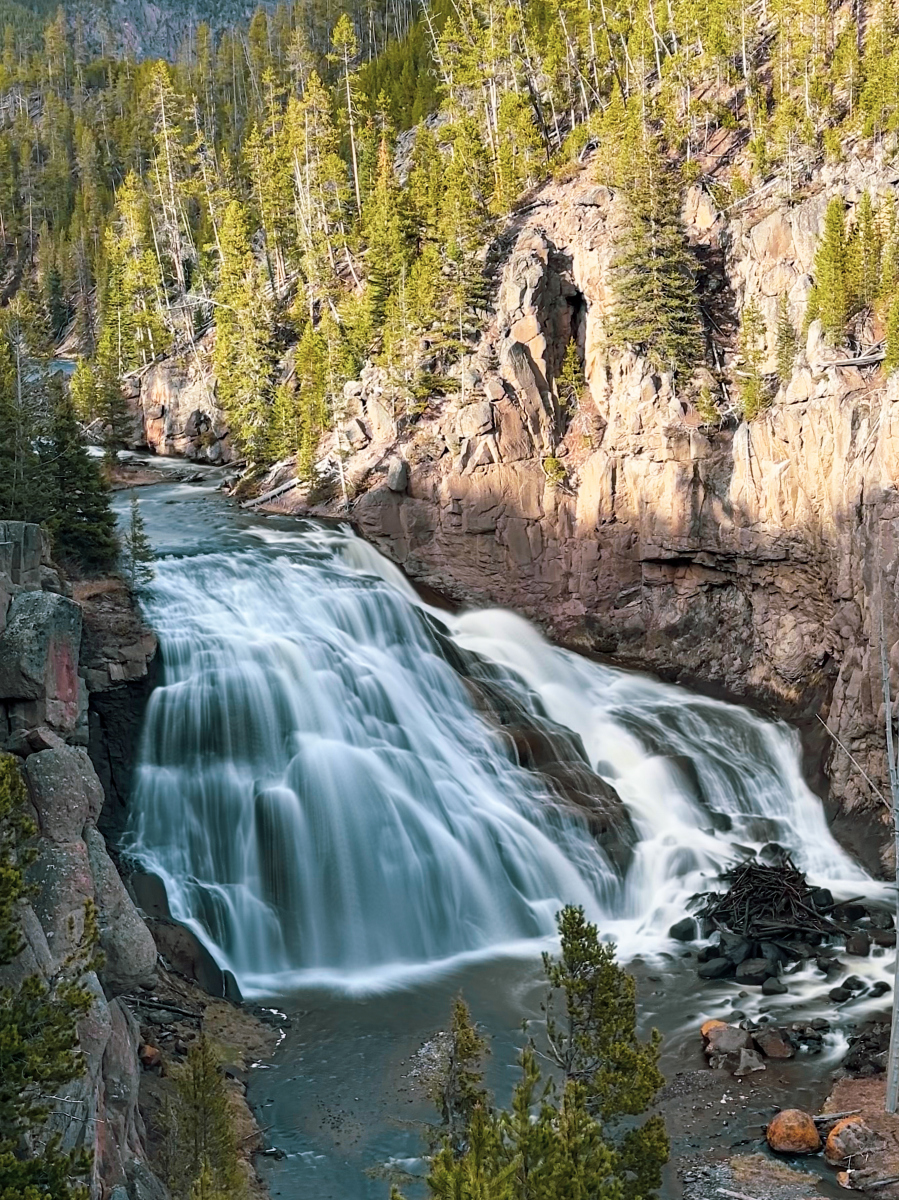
x=773 y=986
x=128 y=946
x=39 y=652
x=355 y=434
x=398 y=475
x=854 y=984
x=754 y=971
x=64 y=790
x=476 y=419
x=821 y=898
x=684 y=930
x=61 y=877
x=848 y=1137
x=793 y=1131
x=880 y=988
x=880 y=918
x=181 y=949
x=839 y=995
x=735 y=948
x=749 y=1061
x=858 y=944
x=707 y=1026
x=32 y=741
x=773 y=1043
x=727 y=1039
x=150 y=1057
x=715 y=968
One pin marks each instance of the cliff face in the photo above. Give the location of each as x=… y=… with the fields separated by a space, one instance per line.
x=176 y=413
x=747 y=558
x=44 y=692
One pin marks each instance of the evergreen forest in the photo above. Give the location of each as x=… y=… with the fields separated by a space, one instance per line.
x=333 y=184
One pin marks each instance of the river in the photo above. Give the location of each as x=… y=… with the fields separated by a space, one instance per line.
x=346 y=833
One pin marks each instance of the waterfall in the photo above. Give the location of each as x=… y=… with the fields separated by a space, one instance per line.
x=325 y=804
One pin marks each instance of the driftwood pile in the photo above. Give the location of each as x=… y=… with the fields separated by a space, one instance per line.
x=767 y=902
x=769 y=917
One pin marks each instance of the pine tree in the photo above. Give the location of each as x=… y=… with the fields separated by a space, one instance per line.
x=202 y=1161
x=81 y=522
x=138 y=550
x=571 y=379
x=833 y=293
x=752 y=351
x=21 y=495
x=244 y=357
x=38 y=1027
x=891 y=361
x=553 y=1142
x=83 y=386
x=786 y=343
x=656 y=310
x=597 y=1047
x=866 y=253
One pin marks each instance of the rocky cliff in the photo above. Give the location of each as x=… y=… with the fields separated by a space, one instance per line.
x=751 y=558
x=44 y=702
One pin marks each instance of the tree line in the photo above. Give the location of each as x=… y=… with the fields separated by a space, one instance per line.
x=330 y=188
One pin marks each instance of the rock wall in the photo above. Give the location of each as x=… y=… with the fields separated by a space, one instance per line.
x=176 y=412
x=44 y=691
x=745 y=558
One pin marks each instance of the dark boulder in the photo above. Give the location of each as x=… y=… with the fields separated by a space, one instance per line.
x=755 y=971
x=858 y=944
x=715 y=968
x=684 y=930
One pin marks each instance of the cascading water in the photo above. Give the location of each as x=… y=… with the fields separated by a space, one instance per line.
x=325 y=804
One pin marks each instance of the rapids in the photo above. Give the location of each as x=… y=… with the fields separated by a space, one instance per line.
x=326 y=806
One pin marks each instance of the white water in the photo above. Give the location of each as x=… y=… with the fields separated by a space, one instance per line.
x=324 y=804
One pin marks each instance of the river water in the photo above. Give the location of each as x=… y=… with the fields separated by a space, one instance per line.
x=348 y=835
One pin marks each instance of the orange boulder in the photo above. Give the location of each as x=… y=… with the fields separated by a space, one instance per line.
x=793 y=1132
x=849 y=1136
x=707 y=1026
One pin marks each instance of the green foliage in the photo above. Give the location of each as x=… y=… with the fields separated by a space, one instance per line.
x=656 y=310
x=81 y=522
x=138 y=551
x=833 y=274
x=706 y=408
x=200 y=1151
x=554 y=470
x=752 y=351
x=38 y=1026
x=571 y=381
x=596 y=1046
x=571 y=1139
x=786 y=342
x=458 y=1093
x=891 y=362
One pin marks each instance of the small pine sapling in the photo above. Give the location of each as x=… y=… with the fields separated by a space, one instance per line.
x=138 y=551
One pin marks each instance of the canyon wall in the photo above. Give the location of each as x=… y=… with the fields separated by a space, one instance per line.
x=751 y=559
x=45 y=684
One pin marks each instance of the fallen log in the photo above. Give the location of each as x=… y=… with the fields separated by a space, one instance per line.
x=278 y=491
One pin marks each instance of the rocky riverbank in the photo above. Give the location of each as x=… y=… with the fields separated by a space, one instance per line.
x=76 y=665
